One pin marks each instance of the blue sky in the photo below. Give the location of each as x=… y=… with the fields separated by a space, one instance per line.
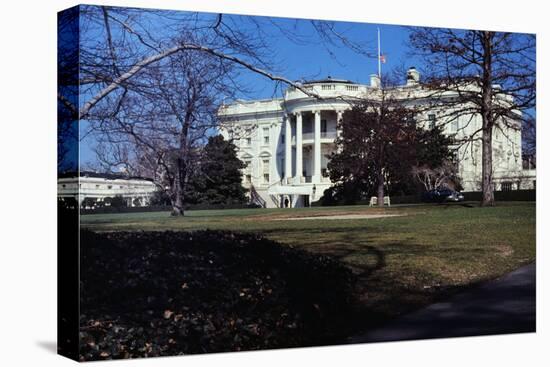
x=312 y=60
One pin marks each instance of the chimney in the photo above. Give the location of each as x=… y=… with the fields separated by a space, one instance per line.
x=374 y=81
x=413 y=76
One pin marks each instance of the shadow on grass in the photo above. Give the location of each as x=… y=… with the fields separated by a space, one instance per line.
x=503 y=306
x=403 y=264
x=397 y=277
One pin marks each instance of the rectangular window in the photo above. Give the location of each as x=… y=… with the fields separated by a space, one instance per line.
x=266 y=135
x=247 y=166
x=266 y=178
x=265 y=165
x=506 y=186
x=249 y=141
x=248 y=178
x=454 y=125
x=431 y=120
x=323 y=126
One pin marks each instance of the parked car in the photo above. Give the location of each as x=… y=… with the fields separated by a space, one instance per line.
x=442 y=195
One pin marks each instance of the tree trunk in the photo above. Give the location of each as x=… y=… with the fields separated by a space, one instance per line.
x=488 y=198
x=177 y=207
x=380 y=189
x=178 y=199
x=181 y=166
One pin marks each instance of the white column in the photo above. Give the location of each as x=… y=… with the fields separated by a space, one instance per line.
x=288 y=149
x=273 y=160
x=317 y=149
x=299 y=170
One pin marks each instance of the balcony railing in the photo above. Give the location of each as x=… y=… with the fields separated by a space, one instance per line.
x=329 y=90
x=311 y=136
x=328 y=135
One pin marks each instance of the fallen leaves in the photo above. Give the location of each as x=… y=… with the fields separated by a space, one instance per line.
x=168 y=293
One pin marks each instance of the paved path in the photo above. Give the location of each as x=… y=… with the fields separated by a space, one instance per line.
x=505 y=305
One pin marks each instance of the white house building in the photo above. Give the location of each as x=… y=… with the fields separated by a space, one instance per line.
x=285 y=141
x=136 y=191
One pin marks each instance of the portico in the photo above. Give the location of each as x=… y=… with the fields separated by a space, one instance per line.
x=313 y=131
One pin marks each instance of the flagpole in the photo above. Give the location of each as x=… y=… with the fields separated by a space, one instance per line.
x=379 y=61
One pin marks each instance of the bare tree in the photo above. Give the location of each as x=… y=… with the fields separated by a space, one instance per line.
x=490 y=74
x=433 y=178
x=117 y=44
x=529 y=142
x=161 y=123
x=151 y=82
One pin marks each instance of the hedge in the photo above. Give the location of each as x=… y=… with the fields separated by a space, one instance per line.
x=164 y=208
x=514 y=195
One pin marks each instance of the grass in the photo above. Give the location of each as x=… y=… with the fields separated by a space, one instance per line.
x=402 y=262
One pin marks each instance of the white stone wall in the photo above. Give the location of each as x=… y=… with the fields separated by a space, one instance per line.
x=273 y=114
x=101 y=188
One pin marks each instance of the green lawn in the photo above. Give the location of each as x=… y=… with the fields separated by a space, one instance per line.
x=402 y=262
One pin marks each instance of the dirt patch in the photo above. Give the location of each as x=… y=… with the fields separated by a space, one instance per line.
x=344 y=216
x=504 y=250
x=290 y=214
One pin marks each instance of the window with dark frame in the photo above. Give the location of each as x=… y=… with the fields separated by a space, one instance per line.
x=431 y=119
x=266 y=135
x=506 y=186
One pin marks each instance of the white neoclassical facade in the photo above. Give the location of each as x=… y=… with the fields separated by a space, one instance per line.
x=285 y=141
x=135 y=190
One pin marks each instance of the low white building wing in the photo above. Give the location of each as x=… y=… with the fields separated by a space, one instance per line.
x=136 y=191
